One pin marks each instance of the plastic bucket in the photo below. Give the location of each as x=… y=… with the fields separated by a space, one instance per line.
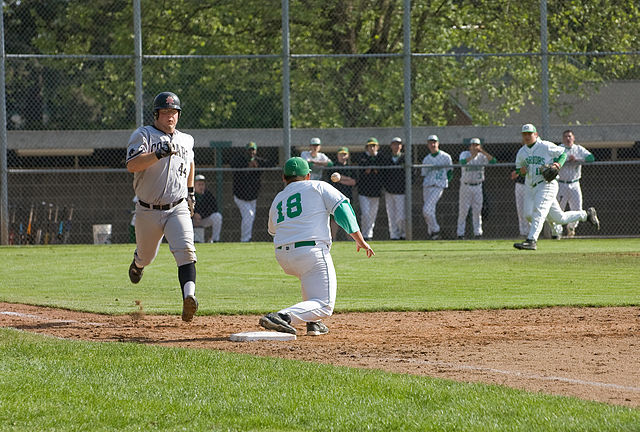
x=102 y=234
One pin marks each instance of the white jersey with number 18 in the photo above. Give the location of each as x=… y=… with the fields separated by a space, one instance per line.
x=300 y=212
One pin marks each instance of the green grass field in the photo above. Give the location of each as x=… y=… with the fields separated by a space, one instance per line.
x=51 y=384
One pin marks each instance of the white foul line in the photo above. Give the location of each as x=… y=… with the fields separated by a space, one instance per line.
x=516 y=373
x=41 y=318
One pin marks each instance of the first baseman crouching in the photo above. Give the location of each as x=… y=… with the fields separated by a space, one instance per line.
x=299 y=222
x=161 y=158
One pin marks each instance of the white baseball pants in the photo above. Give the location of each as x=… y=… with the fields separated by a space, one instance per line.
x=523 y=223
x=214 y=220
x=394 y=204
x=431 y=195
x=540 y=203
x=247 y=215
x=570 y=193
x=470 y=197
x=368 y=211
x=314 y=267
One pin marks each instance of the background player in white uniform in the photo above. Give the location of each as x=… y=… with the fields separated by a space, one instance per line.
x=316 y=159
x=540 y=196
x=473 y=161
x=569 y=191
x=161 y=158
x=435 y=181
x=299 y=222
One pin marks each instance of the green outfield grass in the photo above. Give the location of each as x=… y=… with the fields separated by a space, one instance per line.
x=58 y=385
x=245 y=278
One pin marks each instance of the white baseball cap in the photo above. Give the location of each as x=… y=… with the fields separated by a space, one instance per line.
x=199 y=177
x=397 y=139
x=528 y=128
x=474 y=141
x=432 y=138
x=315 y=141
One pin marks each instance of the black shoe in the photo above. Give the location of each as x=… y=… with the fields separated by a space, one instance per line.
x=189 y=308
x=592 y=217
x=317 y=329
x=460 y=237
x=528 y=244
x=135 y=272
x=278 y=322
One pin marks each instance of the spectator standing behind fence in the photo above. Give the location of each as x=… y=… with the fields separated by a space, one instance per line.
x=435 y=180
x=246 y=187
x=471 y=180
x=569 y=191
x=344 y=185
x=369 y=187
x=206 y=212
x=540 y=195
x=161 y=158
x=316 y=159
x=394 y=189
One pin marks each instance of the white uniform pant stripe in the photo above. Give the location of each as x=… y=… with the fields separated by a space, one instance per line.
x=248 y=215
x=470 y=197
x=394 y=204
x=314 y=267
x=369 y=210
x=540 y=204
x=431 y=195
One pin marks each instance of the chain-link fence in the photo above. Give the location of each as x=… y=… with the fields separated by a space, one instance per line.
x=71 y=104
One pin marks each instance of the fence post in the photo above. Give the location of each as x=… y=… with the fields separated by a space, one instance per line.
x=4 y=191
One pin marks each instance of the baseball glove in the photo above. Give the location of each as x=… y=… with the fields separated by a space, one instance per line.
x=191 y=202
x=549 y=172
x=166 y=149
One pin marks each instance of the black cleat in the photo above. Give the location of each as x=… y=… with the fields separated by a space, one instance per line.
x=189 y=308
x=135 y=272
x=592 y=217
x=317 y=328
x=277 y=322
x=528 y=244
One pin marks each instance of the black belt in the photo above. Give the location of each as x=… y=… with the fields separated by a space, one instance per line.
x=160 y=207
x=569 y=182
x=473 y=184
x=301 y=244
x=536 y=184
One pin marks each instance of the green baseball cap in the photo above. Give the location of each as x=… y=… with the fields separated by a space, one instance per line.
x=372 y=140
x=296 y=166
x=528 y=128
x=252 y=145
x=343 y=150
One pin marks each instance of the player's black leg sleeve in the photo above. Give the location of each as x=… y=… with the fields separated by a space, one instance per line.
x=186 y=273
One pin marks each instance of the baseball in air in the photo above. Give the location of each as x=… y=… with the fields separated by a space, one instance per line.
x=335 y=177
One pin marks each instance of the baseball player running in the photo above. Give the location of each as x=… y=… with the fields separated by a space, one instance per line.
x=161 y=158
x=435 y=181
x=540 y=195
x=472 y=161
x=299 y=222
x=569 y=191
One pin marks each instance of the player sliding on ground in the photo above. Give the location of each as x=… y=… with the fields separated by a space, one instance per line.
x=299 y=222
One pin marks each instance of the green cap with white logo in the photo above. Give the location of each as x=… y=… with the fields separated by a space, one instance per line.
x=296 y=166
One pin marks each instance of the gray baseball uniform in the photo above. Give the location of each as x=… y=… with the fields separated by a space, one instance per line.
x=161 y=190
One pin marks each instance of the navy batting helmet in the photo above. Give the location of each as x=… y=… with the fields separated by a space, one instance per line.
x=166 y=100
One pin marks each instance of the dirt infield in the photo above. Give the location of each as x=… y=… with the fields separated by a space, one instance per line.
x=590 y=353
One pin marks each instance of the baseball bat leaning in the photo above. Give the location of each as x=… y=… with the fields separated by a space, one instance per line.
x=48 y=229
x=61 y=225
x=40 y=223
x=67 y=230
x=29 y=239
